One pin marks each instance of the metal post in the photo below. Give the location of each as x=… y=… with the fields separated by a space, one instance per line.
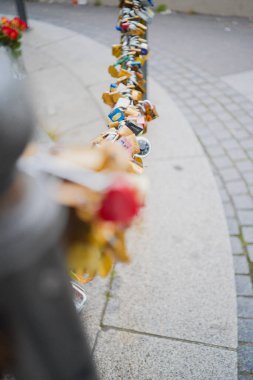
x=21 y=9
x=40 y=333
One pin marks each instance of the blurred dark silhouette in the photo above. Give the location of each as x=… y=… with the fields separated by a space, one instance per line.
x=40 y=334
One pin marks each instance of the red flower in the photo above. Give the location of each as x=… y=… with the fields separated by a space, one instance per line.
x=11 y=33
x=5 y=21
x=19 y=24
x=120 y=204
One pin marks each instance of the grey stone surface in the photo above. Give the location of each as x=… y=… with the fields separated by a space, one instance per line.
x=248 y=234
x=241 y=265
x=236 y=244
x=243 y=285
x=245 y=330
x=233 y=226
x=243 y=202
x=245 y=307
x=185 y=252
x=245 y=218
x=122 y=355
x=245 y=354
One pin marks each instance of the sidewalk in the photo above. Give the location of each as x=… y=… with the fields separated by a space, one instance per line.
x=171 y=313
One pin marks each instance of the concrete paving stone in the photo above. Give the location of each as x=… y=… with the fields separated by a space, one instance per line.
x=247 y=144
x=224 y=195
x=192 y=118
x=241 y=265
x=236 y=245
x=247 y=234
x=250 y=153
x=248 y=178
x=248 y=106
x=240 y=134
x=201 y=109
x=249 y=128
x=185 y=95
x=200 y=130
x=244 y=377
x=215 y=151
x=233 y=226
x=245 y=307
x=91 y=314
x=245 y=330
x=245 y=165
x=245 y=359
x=245 y=217
x=229 y=210
x=244 y=119
x=236 y=188
x=208 y=117
x=230 y=144
x=232 y=107
x=208 y=101
x=178 y=263
x=222 y=162
x=237 y=154
x=243 y=285
x=122 y=355
x=216 y=108
x=250 y=252
x=200 y=94
x=230 y=174
x=224 y=99
x=222 y=134
x=243 y=202
x=233 y=124
x=224 y=116
x=193 y=102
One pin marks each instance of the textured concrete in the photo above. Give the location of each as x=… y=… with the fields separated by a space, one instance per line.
x=122 y=355
x=180 y=284
x=179 y=271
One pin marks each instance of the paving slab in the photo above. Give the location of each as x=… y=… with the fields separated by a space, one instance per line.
x=122 y=355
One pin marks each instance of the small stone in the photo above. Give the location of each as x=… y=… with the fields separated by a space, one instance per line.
x=236 y=245
x=236 y=187
x=243 y=285
x=230 y=174
x=243 y=202
x=241 y=265
x=246 y=217
x=233 y=226
x=245 y=330
x=245 y=359
x=245 y=307
x=248 y=234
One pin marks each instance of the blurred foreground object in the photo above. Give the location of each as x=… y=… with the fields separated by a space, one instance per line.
x=21 y=8
x=103 y=197
x=40 y=334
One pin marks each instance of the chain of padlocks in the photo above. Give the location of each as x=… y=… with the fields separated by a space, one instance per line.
x=99 y=184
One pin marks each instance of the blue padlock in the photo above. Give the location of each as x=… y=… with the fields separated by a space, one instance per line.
x=116 y=115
